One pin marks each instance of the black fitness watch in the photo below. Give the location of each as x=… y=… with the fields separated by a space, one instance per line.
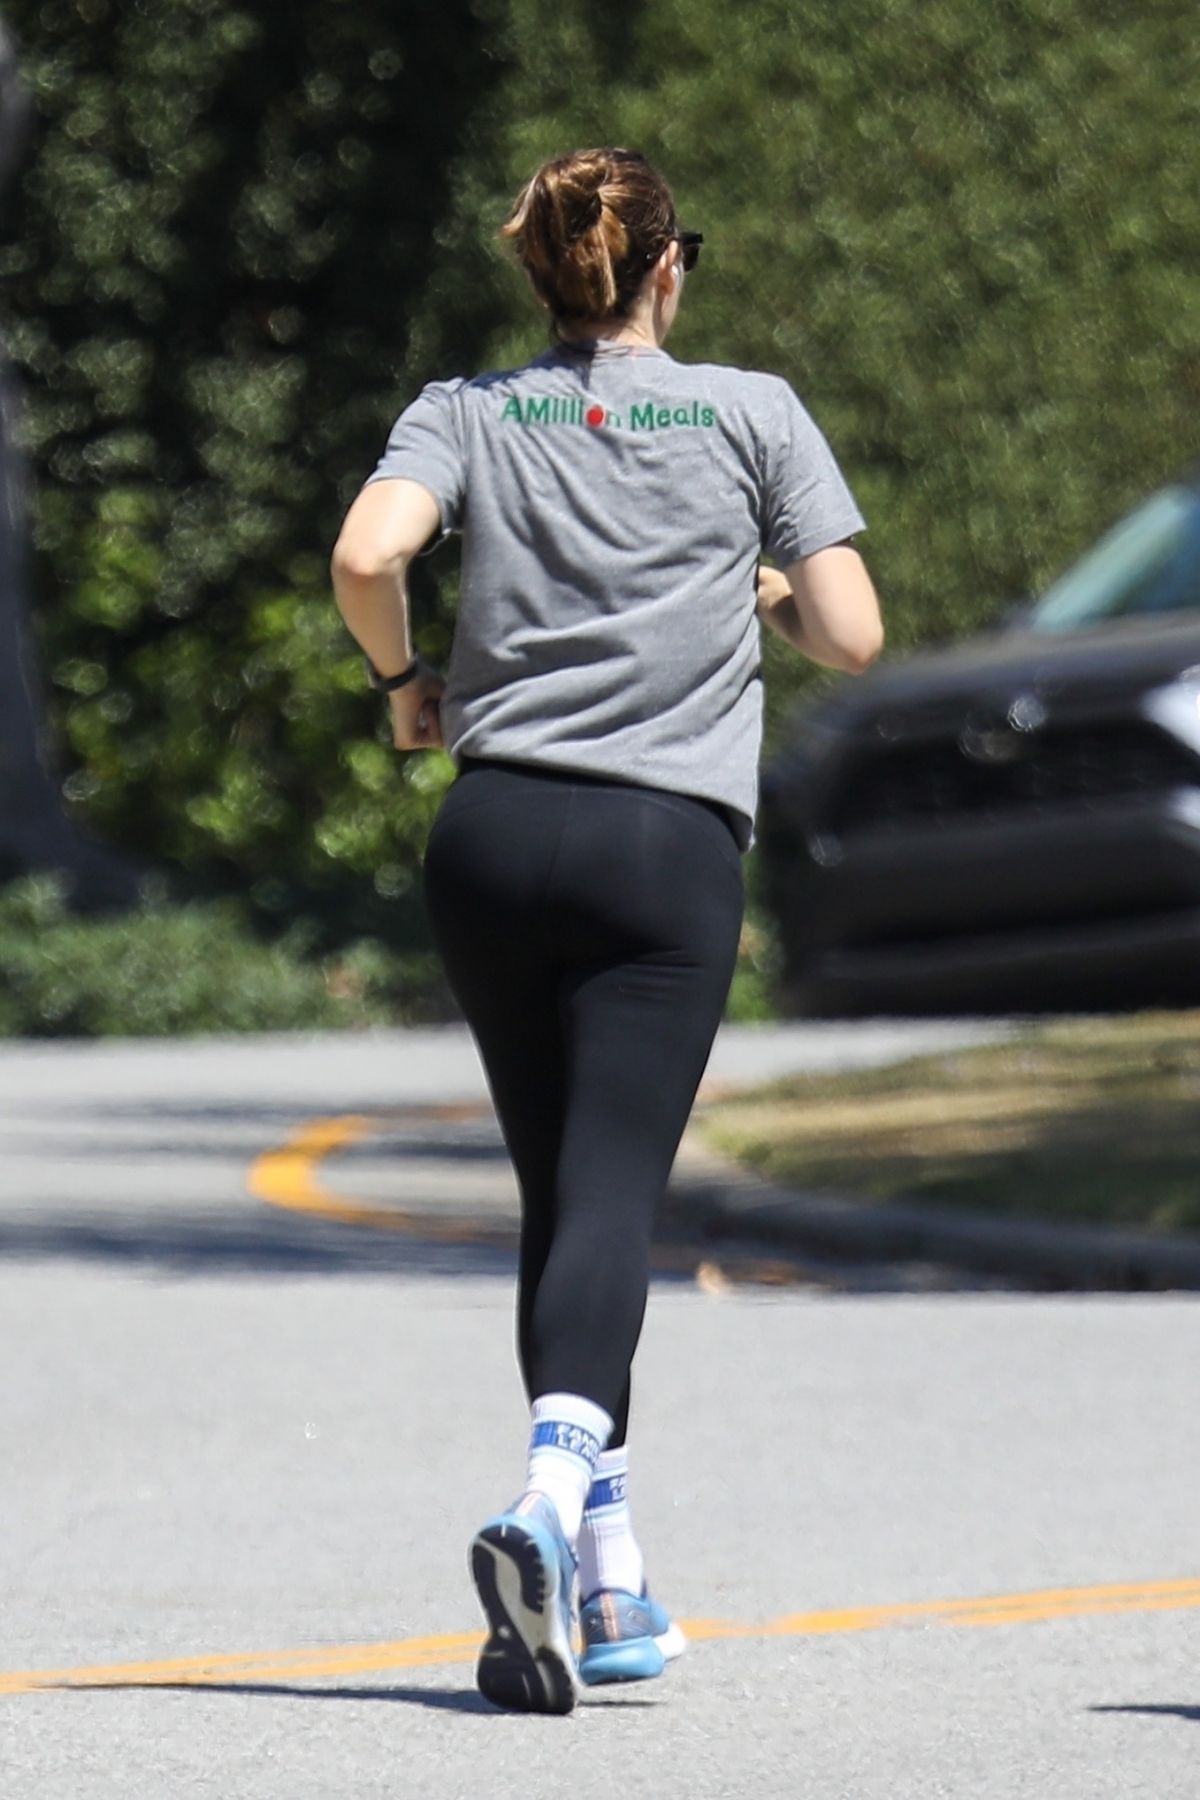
x=387 y=684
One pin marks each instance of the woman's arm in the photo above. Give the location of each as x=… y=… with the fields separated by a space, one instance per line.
x=825 y=606
x=385 y=528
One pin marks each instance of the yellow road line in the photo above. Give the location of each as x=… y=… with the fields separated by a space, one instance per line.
x=271 y=1667
x=288 y=1177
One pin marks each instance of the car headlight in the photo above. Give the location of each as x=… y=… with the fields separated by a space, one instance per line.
x=1176 y=707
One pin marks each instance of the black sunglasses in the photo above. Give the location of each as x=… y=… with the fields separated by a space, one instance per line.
x=689 y=249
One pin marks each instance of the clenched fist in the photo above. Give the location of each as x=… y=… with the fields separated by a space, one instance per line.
x=416 y=714
x=772 y=587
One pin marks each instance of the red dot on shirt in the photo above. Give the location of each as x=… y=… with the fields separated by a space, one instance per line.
x=595 y=415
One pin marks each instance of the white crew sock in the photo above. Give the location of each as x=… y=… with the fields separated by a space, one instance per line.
x=568 y=1433
x=608 y=1551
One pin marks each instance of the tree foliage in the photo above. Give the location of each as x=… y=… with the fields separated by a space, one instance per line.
x=228 y=221
x=966 y=234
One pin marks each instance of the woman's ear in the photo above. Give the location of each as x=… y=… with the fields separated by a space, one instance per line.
x=669 y=270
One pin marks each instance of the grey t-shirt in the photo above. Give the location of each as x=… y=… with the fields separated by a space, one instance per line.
x=613 y=505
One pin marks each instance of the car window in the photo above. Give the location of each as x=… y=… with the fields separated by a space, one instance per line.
x=1149 y=563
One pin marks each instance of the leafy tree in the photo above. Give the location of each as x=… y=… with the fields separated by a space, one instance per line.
x=965 y=233
x=229 y=219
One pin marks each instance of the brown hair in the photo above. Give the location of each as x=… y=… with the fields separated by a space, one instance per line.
x=587 y=228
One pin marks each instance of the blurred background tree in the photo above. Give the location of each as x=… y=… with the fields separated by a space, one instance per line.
x=966 y=234
x=228 y=220
x=36 y=830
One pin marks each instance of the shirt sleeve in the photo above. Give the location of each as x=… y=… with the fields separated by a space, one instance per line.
x=426 y=446
x=806 y=502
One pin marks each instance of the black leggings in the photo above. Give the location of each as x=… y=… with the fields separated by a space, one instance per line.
x=589 y=930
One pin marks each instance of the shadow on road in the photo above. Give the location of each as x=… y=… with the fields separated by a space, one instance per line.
x=223 y=1243
x=465 y=1700
x=230 y=1131
x=460 y=1700
x=1161 y=1711
x=162 y=1189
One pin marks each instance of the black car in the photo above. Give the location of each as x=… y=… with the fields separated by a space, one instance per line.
x=1012 y=824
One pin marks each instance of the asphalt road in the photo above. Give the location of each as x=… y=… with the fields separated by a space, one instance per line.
x=257 y=1392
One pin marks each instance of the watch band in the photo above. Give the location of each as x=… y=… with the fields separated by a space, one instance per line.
x=387 y=684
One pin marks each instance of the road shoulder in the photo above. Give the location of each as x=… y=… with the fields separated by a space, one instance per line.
x=724 y=1199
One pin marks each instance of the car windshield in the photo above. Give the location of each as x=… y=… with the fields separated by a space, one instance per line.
x=1148 y=564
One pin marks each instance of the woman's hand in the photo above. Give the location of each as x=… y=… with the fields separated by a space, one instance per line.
x=772 y=587
x=416 y=714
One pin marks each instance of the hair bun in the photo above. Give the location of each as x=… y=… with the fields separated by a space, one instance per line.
x=587 y=226
x=583 y=212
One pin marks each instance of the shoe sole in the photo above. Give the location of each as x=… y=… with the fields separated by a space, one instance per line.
x=672 y=1643
x=526 y=1664
x=636 y=1659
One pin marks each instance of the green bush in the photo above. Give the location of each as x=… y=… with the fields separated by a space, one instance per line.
x=196 y=968
x=174 y=970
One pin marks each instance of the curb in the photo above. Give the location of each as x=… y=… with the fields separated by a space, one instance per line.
x=727 y=1200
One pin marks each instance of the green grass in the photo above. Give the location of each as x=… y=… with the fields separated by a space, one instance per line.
x=1089 y=1120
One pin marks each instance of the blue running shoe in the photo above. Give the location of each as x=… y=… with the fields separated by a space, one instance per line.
x=626 y=1637
x=524 y=1572
x=667 y=1635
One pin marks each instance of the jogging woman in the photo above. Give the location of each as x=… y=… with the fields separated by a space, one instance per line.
x=583 y=877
